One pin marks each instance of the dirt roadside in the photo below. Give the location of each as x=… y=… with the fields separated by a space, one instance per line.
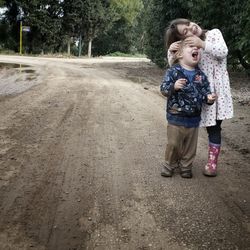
x=81 y=143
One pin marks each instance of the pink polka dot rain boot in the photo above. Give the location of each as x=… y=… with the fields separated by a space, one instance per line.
x=213 y=154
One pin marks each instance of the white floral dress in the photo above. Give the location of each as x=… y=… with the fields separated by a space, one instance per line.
x=214 y=64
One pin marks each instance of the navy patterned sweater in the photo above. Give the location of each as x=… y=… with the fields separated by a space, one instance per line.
x=184 y=105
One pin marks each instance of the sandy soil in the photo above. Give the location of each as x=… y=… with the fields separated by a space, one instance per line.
x=81 y=144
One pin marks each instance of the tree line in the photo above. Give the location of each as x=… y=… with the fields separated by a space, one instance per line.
x=232 y=17
x=100 y=27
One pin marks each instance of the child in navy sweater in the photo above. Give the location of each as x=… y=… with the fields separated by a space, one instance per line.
x=186 y=88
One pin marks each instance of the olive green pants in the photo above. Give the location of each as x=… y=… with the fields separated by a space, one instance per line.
x=181 y=146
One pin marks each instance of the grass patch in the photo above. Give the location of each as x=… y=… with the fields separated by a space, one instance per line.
x=7 y=52
x=118 y=53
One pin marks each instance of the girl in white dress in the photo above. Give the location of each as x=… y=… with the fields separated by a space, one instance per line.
x=214 y=64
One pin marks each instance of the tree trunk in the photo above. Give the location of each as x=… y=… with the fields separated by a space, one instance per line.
x=69 y=41
x=80 y=46
x=90 y=48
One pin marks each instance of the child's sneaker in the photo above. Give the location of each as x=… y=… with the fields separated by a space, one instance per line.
x=166 y=171
x=187 y=173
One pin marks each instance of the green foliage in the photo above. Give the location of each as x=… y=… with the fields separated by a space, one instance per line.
x=4 y=35
x=127 y=9
x=230 y=16
x=127 y=26
x=114 y=25
x=44 y=19
x=118 y=53
x=158 y=14
x=243 y=42
x=234 y=24
x=72 y=17
x=125 y=34
x=96 y=16
x=42 y=16
x=10 y=27
x=86 y=18
x=116 y=39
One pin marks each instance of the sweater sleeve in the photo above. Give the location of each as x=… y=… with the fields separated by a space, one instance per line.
x=215 y=44
x=170 y=58
x=167 y=85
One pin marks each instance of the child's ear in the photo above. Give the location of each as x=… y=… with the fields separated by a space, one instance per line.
x=178 y=55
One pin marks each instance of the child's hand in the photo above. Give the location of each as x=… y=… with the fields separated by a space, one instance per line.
x=211 y=98
x=180 y=83
x=195 y=41
x=174 y=47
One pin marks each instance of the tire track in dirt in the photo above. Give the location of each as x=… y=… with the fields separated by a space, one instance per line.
x=120 y=216
x=38 y=195
x=88 y=147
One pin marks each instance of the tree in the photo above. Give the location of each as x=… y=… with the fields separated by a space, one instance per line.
x=2 y=3
x=242 y=38
x=44 y=17
x=234 y=23
x=158 y=14
x=73 y=21
x=127 y=9
x=10 y=25
x=125 y=34
x=96 y=17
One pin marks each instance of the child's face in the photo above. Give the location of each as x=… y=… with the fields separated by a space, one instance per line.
x=190 y=56
x=192 y=29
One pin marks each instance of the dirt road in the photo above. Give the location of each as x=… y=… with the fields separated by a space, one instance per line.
x=81 y=143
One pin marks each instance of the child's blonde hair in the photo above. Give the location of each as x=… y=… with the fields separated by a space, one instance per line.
x=177 y=55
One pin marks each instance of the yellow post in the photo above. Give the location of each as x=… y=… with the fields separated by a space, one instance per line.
x=21 y=37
